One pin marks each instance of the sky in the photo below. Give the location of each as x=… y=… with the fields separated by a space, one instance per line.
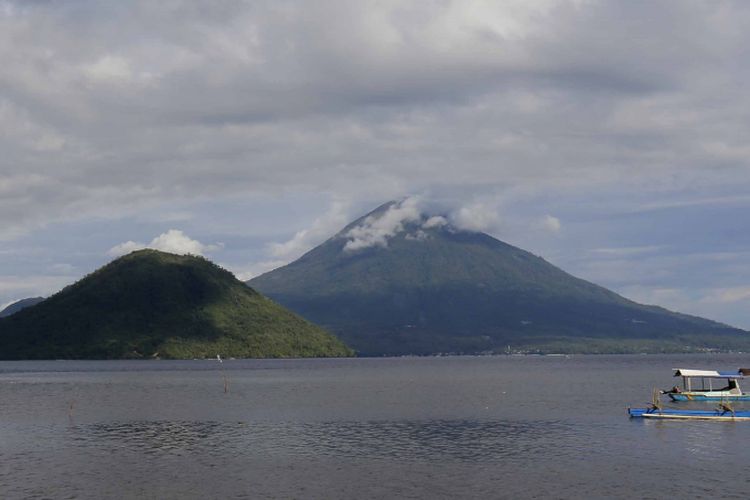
x=608 y=137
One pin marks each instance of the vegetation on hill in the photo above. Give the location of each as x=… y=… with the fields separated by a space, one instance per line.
x=437 y=289
x=155 y=304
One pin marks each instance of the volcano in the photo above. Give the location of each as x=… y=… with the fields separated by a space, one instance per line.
x=399 y=282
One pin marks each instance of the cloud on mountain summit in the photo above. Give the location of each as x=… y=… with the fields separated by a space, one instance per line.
x=173 y=241
x=435 y=221
x=376 y=229
x=476 y=217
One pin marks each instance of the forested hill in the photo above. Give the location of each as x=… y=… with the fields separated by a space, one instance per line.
x=155 y=304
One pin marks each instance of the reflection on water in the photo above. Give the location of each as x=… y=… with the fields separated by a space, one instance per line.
x=155 y=437
x=491 y=427
x=462 y=440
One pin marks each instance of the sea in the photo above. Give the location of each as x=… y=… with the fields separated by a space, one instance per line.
x=412 y=427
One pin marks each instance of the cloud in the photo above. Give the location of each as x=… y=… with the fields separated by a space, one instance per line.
x=729 y=295
x=125 y=248
x=724 y=304
x=173 y=241
x=435 y=221
x=626 y=251
x=62 y=268
x=321 y=229
x=109 y=68
x=694 y=201
x=346 y=100
x=15 y=288
x=377 y=229
x=475 y=217
x=256 y=269
x=551 y=223
x=419 y=235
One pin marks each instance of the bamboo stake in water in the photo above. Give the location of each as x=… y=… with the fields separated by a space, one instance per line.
x=223 y=375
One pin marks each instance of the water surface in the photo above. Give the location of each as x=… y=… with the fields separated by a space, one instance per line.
x=471 y=427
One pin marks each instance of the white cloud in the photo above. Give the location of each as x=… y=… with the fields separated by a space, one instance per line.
x=435 y=221
x=125 y=248
x=248 y=272
x=252 y=106
x=419 y=235
x=695 y=201
x=109 y=68
x=551 y=223
x=173 y=241
x=21 y=287
x=376 y=230
x=62 y=268
x=720 y=304
x=626 y=251
x=728 y=295
x=476 y=217
x=672 y=298
x=320 y=230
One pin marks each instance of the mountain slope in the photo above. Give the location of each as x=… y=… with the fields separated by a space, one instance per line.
x=151 y=303
x=428 y=288
x=21 y=304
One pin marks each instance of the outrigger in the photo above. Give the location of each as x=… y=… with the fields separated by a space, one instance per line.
x=719 y=414
x=690 y=390
x=723 y=412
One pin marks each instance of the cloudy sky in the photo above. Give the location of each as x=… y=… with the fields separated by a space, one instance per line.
x=611 y=138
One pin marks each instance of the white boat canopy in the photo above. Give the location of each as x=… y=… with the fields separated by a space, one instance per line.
x=683 y=372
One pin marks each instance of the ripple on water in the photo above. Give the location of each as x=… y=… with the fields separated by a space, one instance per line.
x=457 y=440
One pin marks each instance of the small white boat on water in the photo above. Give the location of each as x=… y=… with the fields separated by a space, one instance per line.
x=709 y=385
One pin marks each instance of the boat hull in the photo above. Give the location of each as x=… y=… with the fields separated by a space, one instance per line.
x=676 y=414
x=685 y=396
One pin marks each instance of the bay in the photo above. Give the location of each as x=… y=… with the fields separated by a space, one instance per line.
x=442 y=427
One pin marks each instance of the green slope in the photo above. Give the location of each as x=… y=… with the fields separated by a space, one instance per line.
x=444 y=290
x=151 y=303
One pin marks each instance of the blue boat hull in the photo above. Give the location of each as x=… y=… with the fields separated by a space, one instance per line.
x=672 y=413
x=702 y=397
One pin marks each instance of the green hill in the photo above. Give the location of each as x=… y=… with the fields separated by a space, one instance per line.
x=149 y=304
x=436 y=289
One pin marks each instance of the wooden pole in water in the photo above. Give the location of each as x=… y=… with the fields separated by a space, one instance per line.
x=223 y=374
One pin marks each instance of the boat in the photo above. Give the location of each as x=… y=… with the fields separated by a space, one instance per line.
x=698 y=385
x=723 y=413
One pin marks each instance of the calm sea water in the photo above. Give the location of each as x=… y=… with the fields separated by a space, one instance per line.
x=459 y=427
